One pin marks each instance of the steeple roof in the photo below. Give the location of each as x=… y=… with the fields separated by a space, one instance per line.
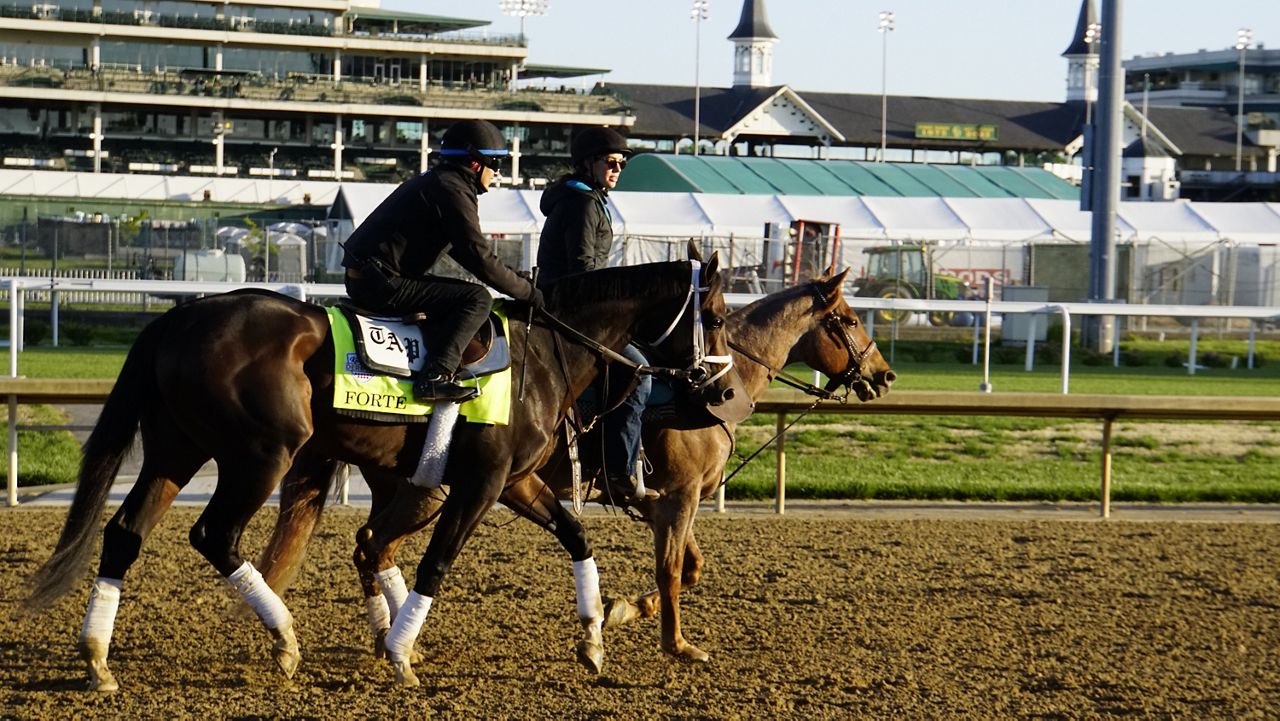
x=1078 y=44
x=753 y=23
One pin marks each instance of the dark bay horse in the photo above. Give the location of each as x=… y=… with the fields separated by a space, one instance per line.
x=246 y=379
x=810 y=323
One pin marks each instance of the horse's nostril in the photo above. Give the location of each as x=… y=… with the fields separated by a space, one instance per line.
x=889 y=377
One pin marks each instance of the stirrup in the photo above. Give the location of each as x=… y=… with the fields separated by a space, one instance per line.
x=441 y=388
x=627 y=489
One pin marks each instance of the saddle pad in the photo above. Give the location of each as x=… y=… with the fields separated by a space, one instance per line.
x=396 y=346
x=361 y=392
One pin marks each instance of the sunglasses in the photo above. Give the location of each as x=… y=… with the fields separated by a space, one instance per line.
x=614 y=164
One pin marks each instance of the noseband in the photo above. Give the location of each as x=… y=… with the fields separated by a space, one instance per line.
x=698 y=374
x=836 y=326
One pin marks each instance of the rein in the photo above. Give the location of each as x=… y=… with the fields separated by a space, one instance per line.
x=782 y=376
x=836 y=326
x=696 y=373
x=769 y=442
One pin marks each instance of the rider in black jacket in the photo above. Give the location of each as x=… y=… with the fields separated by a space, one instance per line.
x=388 y=258
x=577 y=238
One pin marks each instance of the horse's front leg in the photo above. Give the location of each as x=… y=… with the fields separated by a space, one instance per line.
x=469 y=499
x=672 y=522
x=398 y=510
x=530 y=498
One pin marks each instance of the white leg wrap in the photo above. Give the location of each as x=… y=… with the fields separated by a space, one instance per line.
x=435 y=451
x=100 y=618
x=249 y=584
x=587 y=581
x=393 y=589
x=378 y=613
x=404 y=630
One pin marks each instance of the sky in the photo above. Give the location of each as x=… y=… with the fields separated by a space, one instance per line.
x=994 y=49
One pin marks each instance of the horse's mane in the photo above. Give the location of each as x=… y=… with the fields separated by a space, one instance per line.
x=609 y=284
x=763 y=311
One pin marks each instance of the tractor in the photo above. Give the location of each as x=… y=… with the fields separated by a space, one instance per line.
x=907 y=271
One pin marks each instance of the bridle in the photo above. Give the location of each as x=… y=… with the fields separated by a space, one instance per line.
x=840 y=329
x=697 y=373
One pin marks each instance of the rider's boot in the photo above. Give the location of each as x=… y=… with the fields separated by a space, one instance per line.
x=627 y=488
x=438 y=386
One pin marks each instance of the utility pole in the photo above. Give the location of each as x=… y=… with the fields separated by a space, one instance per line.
x=1099 y=330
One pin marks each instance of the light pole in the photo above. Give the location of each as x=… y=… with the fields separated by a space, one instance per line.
x=885 y=27
x=1092 y=34
x=697 y=15
x=271 y=172
x=523 y=9
x=1244 y=39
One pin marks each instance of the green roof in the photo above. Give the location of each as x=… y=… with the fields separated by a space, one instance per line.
x=791 y=176
x=428 y=23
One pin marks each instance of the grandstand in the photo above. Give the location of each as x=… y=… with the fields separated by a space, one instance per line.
x=338 y=89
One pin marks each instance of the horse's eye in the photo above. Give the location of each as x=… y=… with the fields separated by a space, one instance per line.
x=717 y=323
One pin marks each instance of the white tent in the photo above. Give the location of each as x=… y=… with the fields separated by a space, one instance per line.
x=855 y=217
x=917 y=218
x=1173 y=223
x=1242 y=222
x=1000 y=219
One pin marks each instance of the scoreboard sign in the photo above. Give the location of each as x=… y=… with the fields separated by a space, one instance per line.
x=956 y=131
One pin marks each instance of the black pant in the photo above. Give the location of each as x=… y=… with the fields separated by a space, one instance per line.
x=455 y=311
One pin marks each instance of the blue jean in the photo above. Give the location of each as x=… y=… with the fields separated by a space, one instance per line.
x=621 y=426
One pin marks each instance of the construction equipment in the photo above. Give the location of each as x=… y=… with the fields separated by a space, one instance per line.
x=907 y=270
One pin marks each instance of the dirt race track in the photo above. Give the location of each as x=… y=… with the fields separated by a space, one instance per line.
x=804 y=618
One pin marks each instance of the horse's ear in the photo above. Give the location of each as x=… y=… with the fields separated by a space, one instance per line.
x=711 y=269
x=831 y=288
x=694 y=253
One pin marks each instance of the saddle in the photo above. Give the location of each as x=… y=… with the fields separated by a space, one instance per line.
x=395 y=345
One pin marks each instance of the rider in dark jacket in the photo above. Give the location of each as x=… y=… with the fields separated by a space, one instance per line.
x=388 y=258
x=576 y=238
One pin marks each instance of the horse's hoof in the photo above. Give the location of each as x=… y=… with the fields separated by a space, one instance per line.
x=285 y=650
x=591 y=656
x=618 y=611
x=405 y=676
x=95 y=657
x=690 y=654
x=100 y=678
x=380 y=647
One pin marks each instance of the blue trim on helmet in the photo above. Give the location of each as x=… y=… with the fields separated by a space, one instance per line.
x=462 y=151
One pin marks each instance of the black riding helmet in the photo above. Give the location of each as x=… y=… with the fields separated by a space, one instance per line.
x=595 y=142
x=479 y=140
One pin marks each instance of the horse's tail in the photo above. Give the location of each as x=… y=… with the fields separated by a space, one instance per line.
x=108 y=445
x=302 y=497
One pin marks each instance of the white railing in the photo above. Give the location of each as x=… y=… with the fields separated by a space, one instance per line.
x=16 y=290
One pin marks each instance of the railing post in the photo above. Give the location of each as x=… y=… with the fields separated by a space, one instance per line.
x=1191 y=350
x=1105 y=493
x=780 y=504
x=1066 y=347
x=1253 y=328
x=1031 y=343
x=986 y=338
x=13 y=451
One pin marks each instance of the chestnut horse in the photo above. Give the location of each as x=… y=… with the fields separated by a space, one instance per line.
x=809 y=323
x=246 y=379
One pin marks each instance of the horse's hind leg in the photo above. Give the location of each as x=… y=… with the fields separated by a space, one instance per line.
x=242 y=489
x=532 y=499
x=152 y=494
x=398 y=511
x=469 y=499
